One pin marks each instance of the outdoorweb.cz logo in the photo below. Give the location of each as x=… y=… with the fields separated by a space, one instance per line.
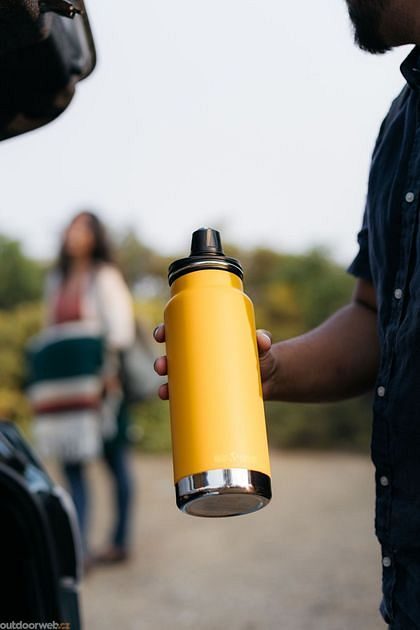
x=36 y=625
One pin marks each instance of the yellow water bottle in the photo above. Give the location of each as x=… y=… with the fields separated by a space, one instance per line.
x=219 y=439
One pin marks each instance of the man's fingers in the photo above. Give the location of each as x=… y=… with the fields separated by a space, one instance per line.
x=161 y=366
x=159 y=333
x=164 y=391
x=263 y=342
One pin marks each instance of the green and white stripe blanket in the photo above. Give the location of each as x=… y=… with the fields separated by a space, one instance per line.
x=65 y=389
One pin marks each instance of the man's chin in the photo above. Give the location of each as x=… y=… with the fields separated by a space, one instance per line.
x=374 y=47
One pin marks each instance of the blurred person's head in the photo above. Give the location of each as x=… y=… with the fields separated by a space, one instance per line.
x=379 y=25
x=84 y=241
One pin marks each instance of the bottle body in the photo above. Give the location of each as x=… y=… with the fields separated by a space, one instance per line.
x=220 y=452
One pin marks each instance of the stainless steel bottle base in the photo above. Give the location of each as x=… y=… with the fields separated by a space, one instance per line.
x=224 y=492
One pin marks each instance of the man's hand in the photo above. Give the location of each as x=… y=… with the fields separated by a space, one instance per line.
x=268 y=365
x=161 y=364
x=337 y=360
x=267 y=361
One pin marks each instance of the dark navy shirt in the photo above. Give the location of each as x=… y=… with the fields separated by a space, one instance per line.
x=389 y=257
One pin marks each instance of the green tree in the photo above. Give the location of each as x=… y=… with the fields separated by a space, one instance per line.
x=21 y=279
x=137 y=260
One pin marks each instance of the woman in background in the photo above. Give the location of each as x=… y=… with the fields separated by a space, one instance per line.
x=86 y=286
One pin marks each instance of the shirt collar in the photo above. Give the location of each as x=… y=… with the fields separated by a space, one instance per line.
x=410 y=68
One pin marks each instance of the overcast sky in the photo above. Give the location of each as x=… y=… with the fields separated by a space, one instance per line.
x=255 y=116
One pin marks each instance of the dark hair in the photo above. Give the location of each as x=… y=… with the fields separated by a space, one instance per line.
x=102 y=251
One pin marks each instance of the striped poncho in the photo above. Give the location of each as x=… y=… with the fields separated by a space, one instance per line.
x=65 y=390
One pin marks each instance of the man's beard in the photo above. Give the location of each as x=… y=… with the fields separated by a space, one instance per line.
x=366 y=16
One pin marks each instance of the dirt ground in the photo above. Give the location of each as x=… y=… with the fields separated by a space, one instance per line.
x=309 y=561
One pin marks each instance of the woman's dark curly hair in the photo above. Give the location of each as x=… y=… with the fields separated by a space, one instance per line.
x=102 y=250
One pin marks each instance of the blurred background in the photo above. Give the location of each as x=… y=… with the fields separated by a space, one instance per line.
x=257 y=119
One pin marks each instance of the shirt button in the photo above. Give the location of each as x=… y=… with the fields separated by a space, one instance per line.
x=398 y=294
x=384 y=481
x=381 y=391
x=386 y=562
x=409 y=197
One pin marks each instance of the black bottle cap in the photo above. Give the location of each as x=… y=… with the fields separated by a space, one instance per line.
x=206 y=253
x=206 y=241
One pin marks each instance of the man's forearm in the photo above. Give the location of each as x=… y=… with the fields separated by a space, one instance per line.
x=337 y=360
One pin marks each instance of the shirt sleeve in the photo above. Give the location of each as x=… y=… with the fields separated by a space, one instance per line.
x=360 y=267
x=117 y=309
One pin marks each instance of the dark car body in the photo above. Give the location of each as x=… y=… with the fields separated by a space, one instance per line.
x=40 y=547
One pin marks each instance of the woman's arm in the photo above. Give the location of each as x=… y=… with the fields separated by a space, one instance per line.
x=116 y=306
